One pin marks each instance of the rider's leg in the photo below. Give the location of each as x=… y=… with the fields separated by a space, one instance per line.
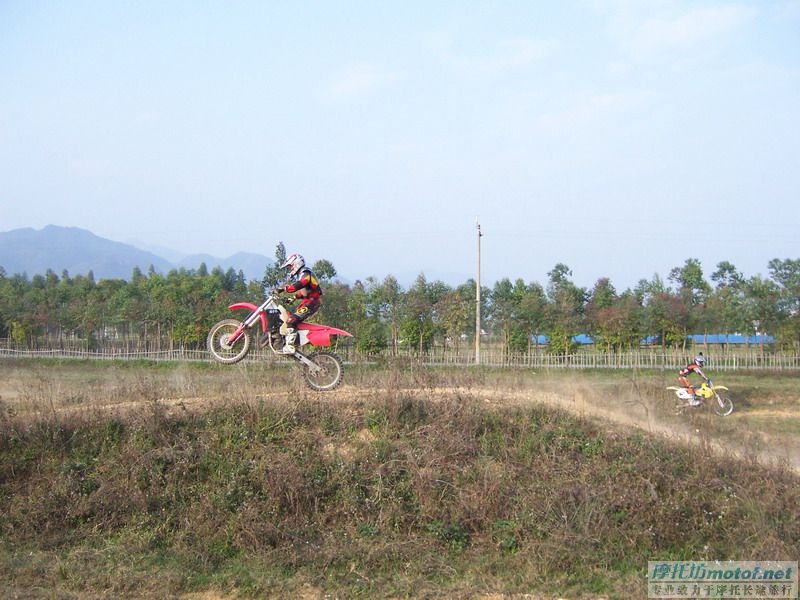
x=690 y=389
x=287 y=330
x=306 y=309
x=694 y=400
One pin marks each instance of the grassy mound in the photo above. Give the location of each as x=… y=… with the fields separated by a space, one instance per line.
x=388 y=495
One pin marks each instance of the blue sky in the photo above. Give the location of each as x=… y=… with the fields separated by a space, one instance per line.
x=618 y=137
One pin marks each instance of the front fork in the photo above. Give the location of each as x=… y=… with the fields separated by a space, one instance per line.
x=246 y=324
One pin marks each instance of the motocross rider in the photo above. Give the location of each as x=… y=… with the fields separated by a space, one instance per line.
x=696 y=366
x=305 y=286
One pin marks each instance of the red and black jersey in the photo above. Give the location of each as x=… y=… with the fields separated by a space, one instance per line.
x=305 y=286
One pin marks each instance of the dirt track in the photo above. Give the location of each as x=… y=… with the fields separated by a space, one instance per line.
x=659 y=417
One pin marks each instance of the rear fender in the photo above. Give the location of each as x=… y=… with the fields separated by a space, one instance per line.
x=319 y=335
x=251 y=307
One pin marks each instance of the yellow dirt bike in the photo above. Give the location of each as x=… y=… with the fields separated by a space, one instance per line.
x=708 y=394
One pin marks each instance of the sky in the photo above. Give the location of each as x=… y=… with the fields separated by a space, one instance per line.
x=618 y=137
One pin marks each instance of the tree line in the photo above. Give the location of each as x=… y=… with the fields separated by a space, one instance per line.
x=155 y=310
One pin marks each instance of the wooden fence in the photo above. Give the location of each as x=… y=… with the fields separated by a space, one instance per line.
x=491 y=357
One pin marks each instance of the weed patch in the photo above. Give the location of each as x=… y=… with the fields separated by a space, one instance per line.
x=389 y=494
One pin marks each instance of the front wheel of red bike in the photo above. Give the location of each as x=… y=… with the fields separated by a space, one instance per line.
x=220 y=346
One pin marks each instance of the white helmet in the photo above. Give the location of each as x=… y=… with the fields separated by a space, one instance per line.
x=700 y=360
x=294 y=263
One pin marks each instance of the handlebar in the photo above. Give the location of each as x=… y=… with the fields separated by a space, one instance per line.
x=280 y=287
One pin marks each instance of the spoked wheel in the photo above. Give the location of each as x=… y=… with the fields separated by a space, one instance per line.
x=329 y=374
x=721 y=404
x=219 y=345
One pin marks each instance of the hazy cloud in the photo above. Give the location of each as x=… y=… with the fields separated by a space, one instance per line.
x=359 y=79
x=789 y=9
x=588 y=109
x=689 y=29
x=508 y=55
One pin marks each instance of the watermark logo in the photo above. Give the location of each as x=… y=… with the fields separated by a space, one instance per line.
x=717 y=579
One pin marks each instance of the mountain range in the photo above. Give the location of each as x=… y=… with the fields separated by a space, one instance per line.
x=79 y=251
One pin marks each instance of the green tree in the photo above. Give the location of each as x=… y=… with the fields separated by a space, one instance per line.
x=417 y=327
x=690 y=282
x=786 y=273
x=336 y=307
x=454 y=316
x=613 y=321
x=5 y=308
x=564 y=311
x=667 y=316
x=725 y=305
x=727 y=275
x=273 y=274
x=387 y=298
x=762 y=305
x=503 y=309
x=532 y=313
x=324 y=269
x=365 y=325
x=516 y=310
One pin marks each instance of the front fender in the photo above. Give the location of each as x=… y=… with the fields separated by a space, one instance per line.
x=251 y=307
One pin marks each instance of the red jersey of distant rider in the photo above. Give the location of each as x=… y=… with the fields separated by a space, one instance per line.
x=305 y=288
x=693 y=367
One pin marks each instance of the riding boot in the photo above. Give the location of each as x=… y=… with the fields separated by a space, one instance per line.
x=694 y=400
x=289 y=340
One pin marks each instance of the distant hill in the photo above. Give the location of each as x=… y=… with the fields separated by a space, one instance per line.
x=79 y=251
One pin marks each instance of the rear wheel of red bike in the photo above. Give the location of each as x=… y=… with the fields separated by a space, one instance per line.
x=329 y=373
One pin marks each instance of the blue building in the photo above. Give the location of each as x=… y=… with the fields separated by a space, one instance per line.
x=734 y=339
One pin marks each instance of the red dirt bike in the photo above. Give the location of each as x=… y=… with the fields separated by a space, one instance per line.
x=230 y=340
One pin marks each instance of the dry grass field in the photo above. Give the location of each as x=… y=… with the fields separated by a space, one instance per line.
x=199 y=481
x=765 y=424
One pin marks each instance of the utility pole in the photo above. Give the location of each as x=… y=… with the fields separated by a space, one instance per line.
x=478 y=299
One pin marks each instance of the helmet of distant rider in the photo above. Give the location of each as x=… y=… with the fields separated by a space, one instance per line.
x=294 y=263
x=700 y=360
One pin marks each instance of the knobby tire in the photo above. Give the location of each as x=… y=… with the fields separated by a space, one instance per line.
x=217 y=343
x=331 y=375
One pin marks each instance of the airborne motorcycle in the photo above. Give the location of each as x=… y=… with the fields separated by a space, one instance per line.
x=230 y=340
x=708 y=393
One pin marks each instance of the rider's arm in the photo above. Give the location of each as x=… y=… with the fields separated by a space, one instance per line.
x=306 y=281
